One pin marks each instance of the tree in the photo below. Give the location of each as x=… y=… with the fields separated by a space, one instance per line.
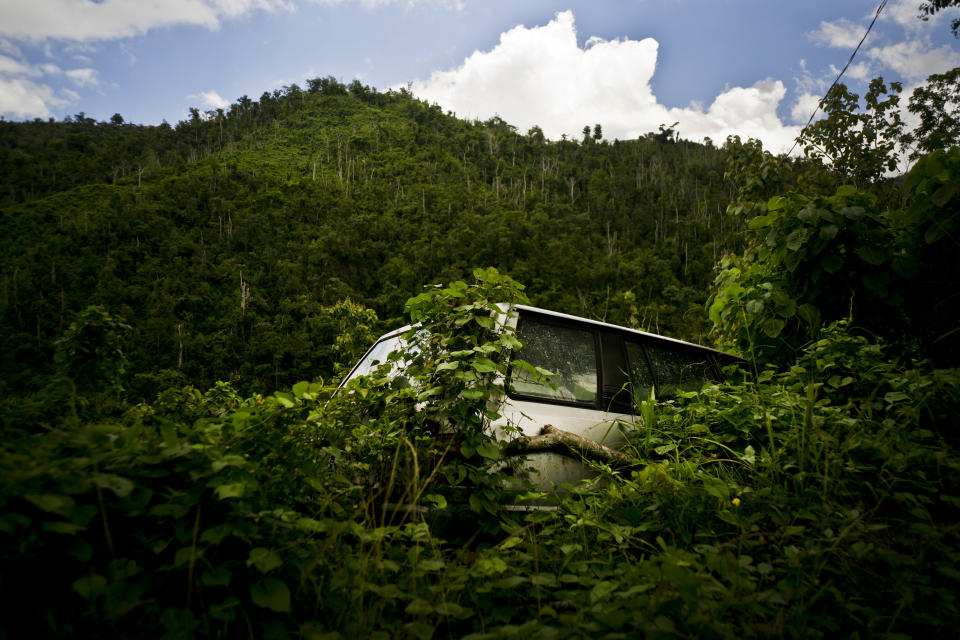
x=934 y=7
x=938 y=105
x=860 y=145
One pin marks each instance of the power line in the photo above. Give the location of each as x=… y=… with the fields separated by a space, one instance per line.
x=883 y=3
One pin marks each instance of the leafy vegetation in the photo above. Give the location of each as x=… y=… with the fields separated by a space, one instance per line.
x=816 y=495
x=226 y=242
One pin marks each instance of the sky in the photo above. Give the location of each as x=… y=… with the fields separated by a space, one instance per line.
x=753 y=68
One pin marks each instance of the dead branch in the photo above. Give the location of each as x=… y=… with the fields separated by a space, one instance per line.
x=564 y=442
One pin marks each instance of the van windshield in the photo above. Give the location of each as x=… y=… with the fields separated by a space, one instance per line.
x=379 y=352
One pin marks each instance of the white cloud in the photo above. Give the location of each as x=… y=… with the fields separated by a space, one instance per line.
x=86 y=20
x=9 y=48
x=373 y=4
x=83 y=77
x=22 y=97
x=805 y=105
x=25 y=99
x=916 y=59
x=749 y=112
x=10 y=66
x=841 y=33
x=540 y=76
x=906 y=13
x=857 y=71
x=210 y=100
x=109 y=19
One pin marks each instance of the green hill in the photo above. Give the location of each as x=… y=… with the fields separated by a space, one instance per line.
x=226 y=241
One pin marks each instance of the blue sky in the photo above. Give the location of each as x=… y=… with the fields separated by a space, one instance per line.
x=751 y=67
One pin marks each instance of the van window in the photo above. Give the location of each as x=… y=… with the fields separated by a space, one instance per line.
x=568 y=352
x=677 y=367
x=640 y=376
x=378 y=355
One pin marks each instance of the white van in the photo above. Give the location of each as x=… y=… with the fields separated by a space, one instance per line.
x=600 y=371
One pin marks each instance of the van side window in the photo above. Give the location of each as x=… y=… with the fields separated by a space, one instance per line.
x=640 y=376
x=678 y=367
x=567 y=352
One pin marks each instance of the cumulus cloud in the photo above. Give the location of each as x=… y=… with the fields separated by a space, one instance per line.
x=373 y=4
x=805 y=105
x=916 y=59
x=83 y=77
x=25 y=99
x=24 y=95
x=210 y=100
x=841 y=33
x=10 y=66
x=541 y=76
x=857 y=71
x=110 y=19
x=86 y=20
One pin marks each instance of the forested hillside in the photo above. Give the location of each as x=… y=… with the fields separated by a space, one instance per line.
x=175 y=463
x=227 y=242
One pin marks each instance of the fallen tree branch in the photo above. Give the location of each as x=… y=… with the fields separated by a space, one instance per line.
x=564 y=442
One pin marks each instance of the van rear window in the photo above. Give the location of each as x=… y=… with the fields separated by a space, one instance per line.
x=569 y=353
x=676 y=367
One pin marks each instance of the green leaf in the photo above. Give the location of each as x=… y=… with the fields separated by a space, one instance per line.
x=169 y=434
x=230 y=460
x=776 y=203
x=231 y=490
x=873 y=255
x=264 y=559
x=68 y=528
x=120 y=486
x=89 y=587
x=217 y=577
x=484 y=365
x=51 y=502
x=761 y=221
x=474 y=394
x=934 y=232
x=832 y=263
x=809 y=314
x=485 y=321
x=906 y=266
x=439 y=501
x=271 y=594
x=489 y=450
x=796 y=239
x=284 y=399
x=301 y=388
x=772 y=327
x=943 y=195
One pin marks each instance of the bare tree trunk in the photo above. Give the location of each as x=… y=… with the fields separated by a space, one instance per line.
x=564 y=442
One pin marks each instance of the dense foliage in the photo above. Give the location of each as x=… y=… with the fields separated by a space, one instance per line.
x=815 y=495
x=226 y=242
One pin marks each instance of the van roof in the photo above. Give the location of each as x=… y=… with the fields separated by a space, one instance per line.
x=505 y=306
x=617 y=327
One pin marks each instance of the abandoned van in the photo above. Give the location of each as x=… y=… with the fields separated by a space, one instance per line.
x=599 y=371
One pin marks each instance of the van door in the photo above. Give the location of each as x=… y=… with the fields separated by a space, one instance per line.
x=581 y=395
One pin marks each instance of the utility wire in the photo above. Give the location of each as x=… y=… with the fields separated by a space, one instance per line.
x=883 y=3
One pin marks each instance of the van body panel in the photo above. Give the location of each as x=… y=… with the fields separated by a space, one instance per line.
x=598 y=373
